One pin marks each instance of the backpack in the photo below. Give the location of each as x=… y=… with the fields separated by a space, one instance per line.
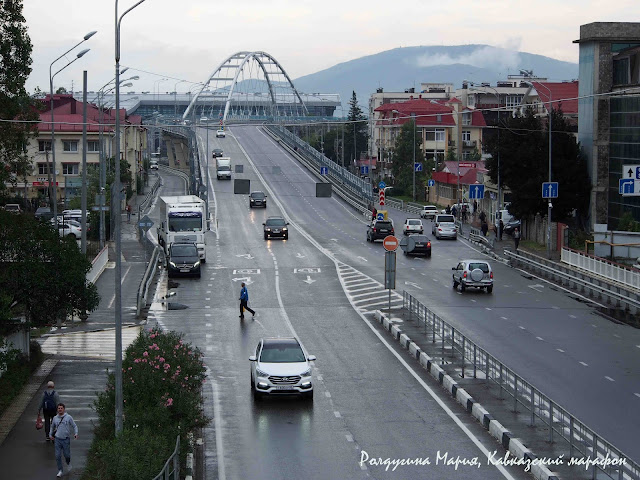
x=49 y=403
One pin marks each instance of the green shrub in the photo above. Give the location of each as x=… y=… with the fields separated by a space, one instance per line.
x=17 y=370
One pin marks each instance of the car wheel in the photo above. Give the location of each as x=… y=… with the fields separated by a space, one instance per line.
x=257 y=396
x=286 y=237
x=265 y=236
x=308 y=396
x=198 y=274
x=490 y=289
x=455 y=284
x=462 y=287
x=429 y=255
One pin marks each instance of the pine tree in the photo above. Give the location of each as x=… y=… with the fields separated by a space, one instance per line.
x=355 y=132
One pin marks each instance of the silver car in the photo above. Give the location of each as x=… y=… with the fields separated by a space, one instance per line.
x=473 y=273
x=444 y=226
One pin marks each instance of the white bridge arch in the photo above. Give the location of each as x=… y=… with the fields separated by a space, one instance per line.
x=233 y=80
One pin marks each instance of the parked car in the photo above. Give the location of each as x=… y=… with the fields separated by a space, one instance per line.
x=444 y=226
x=220 y=134
x=280 y=366
x=510 y=226
x=153 y=165
x=418 y=245
x=183 y=259
x=68 y=228
x=412 y=225
x=473 y=273
x=257 y=199
x=276 y=227
x=13 y=208
x=429 y=211
x=217 y=152
x=44 y=213
x=378 y=229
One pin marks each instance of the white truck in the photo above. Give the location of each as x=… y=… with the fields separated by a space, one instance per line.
x=223 y=167
x=183 y=219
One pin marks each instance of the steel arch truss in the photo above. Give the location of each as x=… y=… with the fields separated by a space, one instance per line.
x=222 y=86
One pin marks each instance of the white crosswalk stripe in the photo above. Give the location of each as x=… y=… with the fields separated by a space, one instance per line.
x=100 y=344
x=357 y=286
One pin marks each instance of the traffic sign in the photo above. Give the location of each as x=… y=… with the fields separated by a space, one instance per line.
x=324 y=170
x=381 y=196
x=380 y=216
x=364 y=170
x=631 y=171
x=549 y=189
x=381 y=185
x=629 y=187
x=431 y=183
x=417 y=166
x=145 y=223
x=390 y=243
x=476 y=192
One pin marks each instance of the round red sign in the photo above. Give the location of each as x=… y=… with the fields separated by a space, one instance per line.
x=390 y=243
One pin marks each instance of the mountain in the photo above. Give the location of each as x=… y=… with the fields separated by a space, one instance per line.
x=401 y=68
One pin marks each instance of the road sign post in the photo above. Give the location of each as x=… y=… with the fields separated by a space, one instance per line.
x=381 y=196
x=476 y=192
x=390 y=272
x=549 y=189
x=324 y=170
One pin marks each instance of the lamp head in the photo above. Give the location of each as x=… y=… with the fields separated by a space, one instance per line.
x=80 y=54
x=90 y=34
x=136 y=77
x=526 y=73
x=124 y=70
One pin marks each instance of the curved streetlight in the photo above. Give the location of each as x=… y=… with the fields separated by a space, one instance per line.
x=118 y=217
x=529 y=74
x=53 y=150
x=457 y=158
x=175 y=98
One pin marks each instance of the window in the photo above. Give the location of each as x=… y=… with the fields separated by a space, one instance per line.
x=466 y=135
x=43 y=169
x=70 y=169
x=466 y=118
x=436 y=135
x=513 y=100
x=93 y=146
x=70 y=145
x=44 y=145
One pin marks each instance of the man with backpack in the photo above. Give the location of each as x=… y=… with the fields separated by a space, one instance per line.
x=48 y=405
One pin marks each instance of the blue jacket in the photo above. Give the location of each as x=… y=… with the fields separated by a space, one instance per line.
x=244 y=295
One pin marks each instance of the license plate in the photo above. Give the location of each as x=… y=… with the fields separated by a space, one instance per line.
x=283 y=387
x=383 y=231
x=184 y=270
x=419 y=245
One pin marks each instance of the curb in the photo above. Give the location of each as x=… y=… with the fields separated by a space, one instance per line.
x=514 y=446
x=12 y=414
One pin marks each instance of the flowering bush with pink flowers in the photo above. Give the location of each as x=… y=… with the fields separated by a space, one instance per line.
x=162 y=379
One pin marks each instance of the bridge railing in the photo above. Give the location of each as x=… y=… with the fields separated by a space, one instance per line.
x=601 y=266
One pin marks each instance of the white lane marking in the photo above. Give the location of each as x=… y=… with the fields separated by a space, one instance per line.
x=585 y=364
x=610 y=379
x=522 y=328
x=572 y=316
x=207 y=324
x=363 y=289
x=616 y=335
x=555 y=308
x=540 y=338
x=504 y=318
x=337 y=414
x=637 y=395
x=327 y=394
x=350 y=437
x=560 y=350
x=121 y=282
x=217 y=416
x=384 y=295
x=487 y=308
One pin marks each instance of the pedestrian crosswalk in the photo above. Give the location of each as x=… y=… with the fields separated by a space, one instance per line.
x=366 y=294
x=99 y=344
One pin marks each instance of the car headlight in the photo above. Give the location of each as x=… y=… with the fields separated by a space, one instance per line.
x=284 y=229
x=306 y=373
x=172 y=264
x=196 y=264
x=267 y=229
x=260 y=373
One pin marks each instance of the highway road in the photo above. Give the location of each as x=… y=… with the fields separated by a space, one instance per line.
x=322 y=286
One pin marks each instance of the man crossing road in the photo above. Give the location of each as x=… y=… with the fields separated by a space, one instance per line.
x=244 y=299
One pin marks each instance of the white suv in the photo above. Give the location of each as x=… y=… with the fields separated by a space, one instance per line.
x=281 y=366
x=429 y=211
x=473 y=273
x=412 y=225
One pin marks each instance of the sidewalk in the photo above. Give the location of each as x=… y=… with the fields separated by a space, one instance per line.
x=78 y=371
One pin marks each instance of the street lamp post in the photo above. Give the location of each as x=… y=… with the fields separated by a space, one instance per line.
x=118 y=217
x=53 y=138
x=413 y=119
x=528 y=74
x=459 y=115
x=175 y=98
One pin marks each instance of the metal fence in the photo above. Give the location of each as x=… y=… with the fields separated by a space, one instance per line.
x=149 y=274
x=458 y=350
x=171 y=469
x=603 y=267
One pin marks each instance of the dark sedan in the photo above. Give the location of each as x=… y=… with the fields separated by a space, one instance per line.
x=183 y=259
x=418 y=245
x=217 y=152
x=257 y=199
x=511 y=226
x=276 y=227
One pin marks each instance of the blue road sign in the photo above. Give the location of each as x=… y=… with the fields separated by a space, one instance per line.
x=626 y=186
x=380 y=216
x=431 y=183
x=549 y=189
x=364 y=170
x=417 y=166
x=324 y=170
x=382 y=185
x=476 y=191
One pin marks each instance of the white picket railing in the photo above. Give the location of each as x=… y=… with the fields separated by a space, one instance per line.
x=627 y=276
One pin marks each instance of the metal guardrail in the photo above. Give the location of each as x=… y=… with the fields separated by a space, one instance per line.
x=613 y=295
x=580 y=439
x=149 y=274
x=603 y=267
x=149 y=197
x=171 y=469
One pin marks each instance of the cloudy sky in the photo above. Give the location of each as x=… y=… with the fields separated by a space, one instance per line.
x=187 y=39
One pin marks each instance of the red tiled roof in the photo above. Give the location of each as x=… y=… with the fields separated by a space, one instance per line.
x=67 y=113
x=564 y=95
x=427 y=113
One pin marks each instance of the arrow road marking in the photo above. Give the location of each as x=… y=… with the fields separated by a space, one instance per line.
x=309 y=280
x=415 y=285
x=333 y=239
x=537 y=287
x=246 y=280
x=299 y=255
x=362 y=258
x=248 y=256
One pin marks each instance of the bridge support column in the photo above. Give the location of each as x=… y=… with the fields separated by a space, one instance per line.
x=170 y=154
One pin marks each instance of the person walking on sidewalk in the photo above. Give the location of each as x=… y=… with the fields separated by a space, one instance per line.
x=61 y=429
x=500 y=230
x=244 y=299
x=50 y=399
x=516 y=238
x=128 y=213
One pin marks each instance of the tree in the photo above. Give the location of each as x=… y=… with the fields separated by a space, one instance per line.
x=402 y=166
x=355 y=130
x=524 y=166
x=15 y=104
x=42 y=276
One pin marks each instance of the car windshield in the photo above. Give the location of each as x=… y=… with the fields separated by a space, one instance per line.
x=224 y=168
x=281 y=353
x=183 y=251
x=446 y=219
x=420 y=238
x=383 y=224
x=414 y=222
x=431 y=207
x=257 y=195
x=482 y=266
x=275 y=222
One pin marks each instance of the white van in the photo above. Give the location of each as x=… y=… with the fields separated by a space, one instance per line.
x=503 y=215
x=223 y=168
